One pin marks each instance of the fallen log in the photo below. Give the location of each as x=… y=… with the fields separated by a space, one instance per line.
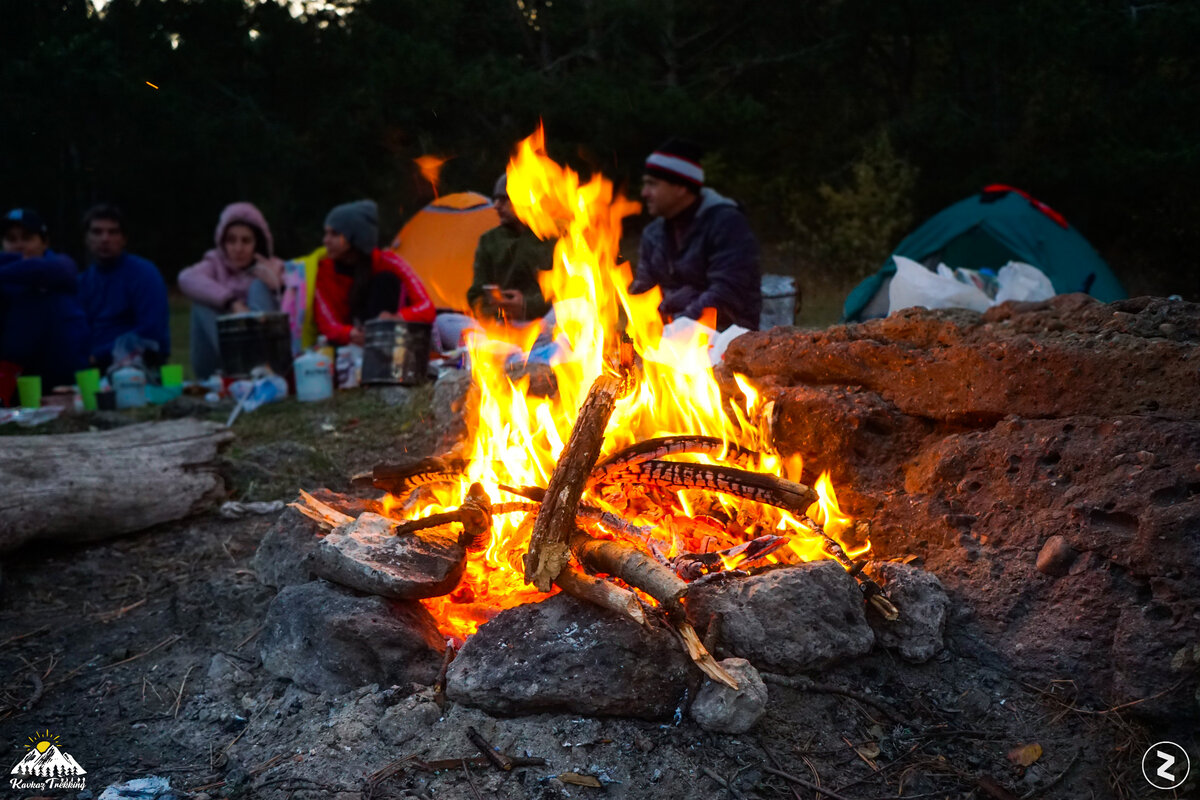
x=548 y=550
x=88 y=486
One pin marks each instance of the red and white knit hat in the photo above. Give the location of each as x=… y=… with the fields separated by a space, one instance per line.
x=678 y=161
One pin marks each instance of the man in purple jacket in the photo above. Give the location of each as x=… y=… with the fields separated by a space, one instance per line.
x=700 y=250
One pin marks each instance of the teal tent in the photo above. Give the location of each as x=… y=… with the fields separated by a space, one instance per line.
x=986 y=231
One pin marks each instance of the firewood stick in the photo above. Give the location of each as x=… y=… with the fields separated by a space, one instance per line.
x=702 y=658
x=670 y=445
x=475 y=516
x=548 y=550
x=490 y=753
x=755 y=486
x=399 y=478
x=631 y=565
x=584 y=514
x=582 y=586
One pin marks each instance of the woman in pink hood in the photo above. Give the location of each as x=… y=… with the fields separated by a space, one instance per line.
x=241 y=274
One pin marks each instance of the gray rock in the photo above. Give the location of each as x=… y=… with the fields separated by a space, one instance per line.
x=365 y=555
x=923 y=604
x=451 y=399
x=787 y=620
x=406 y=719
x=566 y=655
x=1056 y=556
x=280 y=560
x=327 y=639
x=224 y=674
x=723 y=710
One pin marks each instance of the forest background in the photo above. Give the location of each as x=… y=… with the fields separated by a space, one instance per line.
x=840 y=124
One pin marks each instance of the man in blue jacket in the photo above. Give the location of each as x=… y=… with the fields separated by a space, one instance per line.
x=42 y=327
x=700 y=250
x=120 y=292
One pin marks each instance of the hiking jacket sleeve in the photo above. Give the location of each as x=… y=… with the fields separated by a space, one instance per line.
x=52 y=272
x=415 y=303
x=331 y=305
x=732 y=268
x=201 y=283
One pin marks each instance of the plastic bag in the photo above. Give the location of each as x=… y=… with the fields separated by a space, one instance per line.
x=913 y=285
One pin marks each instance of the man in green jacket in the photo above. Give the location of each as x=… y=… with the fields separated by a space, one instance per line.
x=507 y=262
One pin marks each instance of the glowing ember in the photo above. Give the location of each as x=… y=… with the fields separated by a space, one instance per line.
x=517 y=437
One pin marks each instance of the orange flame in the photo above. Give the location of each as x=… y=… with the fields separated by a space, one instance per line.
x=431 y=169
x=518 y=436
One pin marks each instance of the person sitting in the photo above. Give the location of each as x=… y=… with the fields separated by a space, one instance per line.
x=42 y=326
x=508 y=259
x=700 y=250
x=121 y=293
x=240 y=274
x=357 y=282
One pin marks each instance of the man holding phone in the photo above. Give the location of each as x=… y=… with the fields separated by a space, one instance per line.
x=507 y=262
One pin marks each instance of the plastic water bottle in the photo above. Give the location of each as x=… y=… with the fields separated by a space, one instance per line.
x=130 y=386
x=314 y=376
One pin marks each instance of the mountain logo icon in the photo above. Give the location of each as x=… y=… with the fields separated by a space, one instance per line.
x=46 y=759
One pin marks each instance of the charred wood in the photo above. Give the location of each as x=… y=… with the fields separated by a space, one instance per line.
x=548 y=549
x=755 y=486
x=661 y=447
x=602 y=593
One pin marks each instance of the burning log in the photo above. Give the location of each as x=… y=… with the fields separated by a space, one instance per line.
x=548 y=551
x=584 y=514
x=651 y=449
x=582 y=586
x=756 y=486
x=400 y=478
x=643 y=572
x=475 y=516
x=632 y=566
x=691 y=566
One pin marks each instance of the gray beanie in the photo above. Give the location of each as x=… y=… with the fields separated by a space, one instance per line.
x=358 y=222
x=501 y=187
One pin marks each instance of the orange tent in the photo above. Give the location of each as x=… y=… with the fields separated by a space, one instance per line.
x=439 y=241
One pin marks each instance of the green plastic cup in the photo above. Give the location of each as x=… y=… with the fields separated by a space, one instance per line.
x=29 y=389
x=171 y=374
x=88 y=381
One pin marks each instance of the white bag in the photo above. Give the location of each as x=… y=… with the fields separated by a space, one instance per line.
x=913 y=285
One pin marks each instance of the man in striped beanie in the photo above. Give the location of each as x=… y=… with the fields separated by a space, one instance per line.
x=699 y=250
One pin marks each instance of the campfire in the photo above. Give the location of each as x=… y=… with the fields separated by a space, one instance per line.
x=632 y=478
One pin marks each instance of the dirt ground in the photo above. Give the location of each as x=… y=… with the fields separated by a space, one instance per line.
x=139 y=654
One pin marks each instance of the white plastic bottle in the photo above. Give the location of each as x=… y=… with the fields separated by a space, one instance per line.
x=130 y=386
x=314 y=374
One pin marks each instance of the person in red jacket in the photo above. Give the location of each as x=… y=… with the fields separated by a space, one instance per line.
x=357 y=282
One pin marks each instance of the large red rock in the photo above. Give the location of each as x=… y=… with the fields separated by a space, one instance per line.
x=971 y=441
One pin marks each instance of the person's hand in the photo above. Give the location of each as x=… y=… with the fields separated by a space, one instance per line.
x=358 y=336
x=512 y=304
x=388 y=315
x=268 y=270
x=238 y=307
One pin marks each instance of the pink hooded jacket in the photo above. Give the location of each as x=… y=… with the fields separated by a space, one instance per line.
x=213 y=281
